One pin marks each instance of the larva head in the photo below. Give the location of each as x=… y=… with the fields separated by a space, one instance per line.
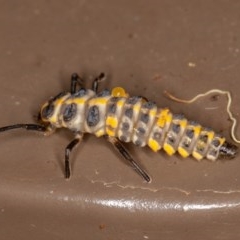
x=228 y=151
x=51 y=110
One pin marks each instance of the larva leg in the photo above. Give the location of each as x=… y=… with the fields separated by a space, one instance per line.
x=97 y=81
x=75 y=79
x=122 y=150
x=68 y=150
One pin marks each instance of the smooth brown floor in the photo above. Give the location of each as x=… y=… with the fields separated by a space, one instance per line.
x=186 y=47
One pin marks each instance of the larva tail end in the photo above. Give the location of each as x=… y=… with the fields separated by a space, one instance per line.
x=228 y=151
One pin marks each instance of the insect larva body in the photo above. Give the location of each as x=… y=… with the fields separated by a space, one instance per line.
x=127 y=119
x=132 y=119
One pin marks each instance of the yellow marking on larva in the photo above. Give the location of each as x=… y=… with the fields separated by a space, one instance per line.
x=197 y=155
x=153 y=112
x=120 y=103
x=210 y=135
x=197 y=129
x=110 y=132
x=164 y=117
x=99 y=133
x=58 y=105
x=169 y=149
x=119 y=92
x=101 y=100
x=98 y=101
x=60 y=101
x=183 y=152
x=136 y=108
x=79 y=100
x=53 y=119
x=112 y=122
x=222 y=140
x=154 y=145
x=183 y=123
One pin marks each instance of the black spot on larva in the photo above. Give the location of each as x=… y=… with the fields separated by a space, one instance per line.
x=47 y=111
x=114 y=99
x=157 y=135
x=186 y=144
x=193 y=123
x=112 y=108
x=213 y=152
x=125 y=126
x=208 y=129
x=204 y=138
x=171 y=139
x=123 y=138
x=178 y=116
x=80 y=93
x=149 y=105
x=69 y=112
x=104 y=93
x=93 y=116
x=141 y=130
x=132 y=100
x=129 y=112
x=190 y=133
x=215 y=142
x=138 y=142
x=200 y=148
x=144 y=117
x=176 y=128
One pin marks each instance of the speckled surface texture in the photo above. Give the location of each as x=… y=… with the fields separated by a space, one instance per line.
x=186 y=47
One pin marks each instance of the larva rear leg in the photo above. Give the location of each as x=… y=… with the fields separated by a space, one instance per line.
x=68 y=150
x=96 y=82
x=126 y=155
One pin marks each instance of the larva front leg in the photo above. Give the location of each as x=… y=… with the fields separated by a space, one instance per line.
x=96 y=82
x=75 y=79
x=68 y=150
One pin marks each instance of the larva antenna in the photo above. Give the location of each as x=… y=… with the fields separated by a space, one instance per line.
x=26 y=126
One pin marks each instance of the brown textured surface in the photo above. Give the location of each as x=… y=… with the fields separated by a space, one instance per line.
x=146 y=47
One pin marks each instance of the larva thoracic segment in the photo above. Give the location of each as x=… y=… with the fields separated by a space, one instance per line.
x=122 y=118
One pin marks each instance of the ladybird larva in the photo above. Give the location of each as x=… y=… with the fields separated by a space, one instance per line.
x=123 y=118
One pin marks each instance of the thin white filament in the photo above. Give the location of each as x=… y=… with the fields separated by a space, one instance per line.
x=227 y=93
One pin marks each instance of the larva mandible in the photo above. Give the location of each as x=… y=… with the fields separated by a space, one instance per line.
x=122 y=118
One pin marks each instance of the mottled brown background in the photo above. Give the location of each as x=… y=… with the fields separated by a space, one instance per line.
x=186 y=47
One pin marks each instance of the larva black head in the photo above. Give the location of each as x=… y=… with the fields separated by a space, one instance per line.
x=50 y=111
x=47 y=116
x=228 y=151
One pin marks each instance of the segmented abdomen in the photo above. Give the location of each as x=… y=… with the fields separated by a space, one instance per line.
x=141 y=122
